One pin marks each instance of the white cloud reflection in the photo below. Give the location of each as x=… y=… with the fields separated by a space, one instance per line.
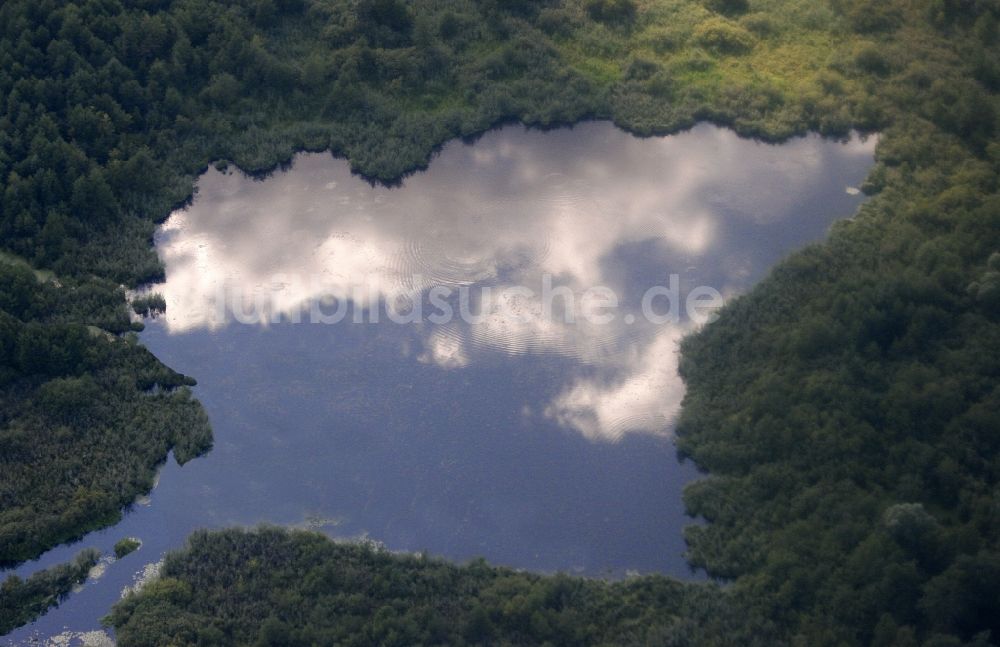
x=591 y=206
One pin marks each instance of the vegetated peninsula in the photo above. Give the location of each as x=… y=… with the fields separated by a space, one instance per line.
x=87 y=413
x=274 y=586
x=21 y=601
x=847 y=409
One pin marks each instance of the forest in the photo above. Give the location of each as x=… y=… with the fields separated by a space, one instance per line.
x=278 y=587
x=846 y=411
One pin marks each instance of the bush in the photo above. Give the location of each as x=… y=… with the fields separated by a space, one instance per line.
x=872 y=16
x=611 y=11
x=640 y=69
x=728 y=7
x=760 y=24
x=723 y=36
x=386 y=23
x=126 y=546
x=662 y=40
x=556 y=22
x=870 y=59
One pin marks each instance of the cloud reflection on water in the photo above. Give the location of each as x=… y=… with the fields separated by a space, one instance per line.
x=591 y=207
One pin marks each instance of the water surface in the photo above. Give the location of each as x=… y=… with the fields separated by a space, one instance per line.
x=530 y=440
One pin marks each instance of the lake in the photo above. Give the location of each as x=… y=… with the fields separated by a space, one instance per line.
x=479 y=362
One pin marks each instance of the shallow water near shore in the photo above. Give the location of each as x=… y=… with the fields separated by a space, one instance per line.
x=533 y=426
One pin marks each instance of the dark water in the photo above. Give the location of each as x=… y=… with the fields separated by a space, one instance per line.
x=523 y=437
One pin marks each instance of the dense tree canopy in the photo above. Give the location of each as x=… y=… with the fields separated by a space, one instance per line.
x=274 y=587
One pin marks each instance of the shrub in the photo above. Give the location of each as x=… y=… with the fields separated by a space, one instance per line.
x=870 y=59
x=125 y=546
x=611 y=11
x=661 y=85
x=723 y=36
x=386 y=23
x=728 y=7
x=867 y=16
x=760 y=24
x=640 y=69
x=556 y=22
x=697 y=60
x=663 y=40
x=223 y=90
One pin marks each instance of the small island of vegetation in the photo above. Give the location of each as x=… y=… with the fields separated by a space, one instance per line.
x=126 y=546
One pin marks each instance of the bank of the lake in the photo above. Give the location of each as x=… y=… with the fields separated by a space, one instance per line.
x=535 y=442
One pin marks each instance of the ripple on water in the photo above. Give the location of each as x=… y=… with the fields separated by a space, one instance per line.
x=650 y=422
x=432 y=262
